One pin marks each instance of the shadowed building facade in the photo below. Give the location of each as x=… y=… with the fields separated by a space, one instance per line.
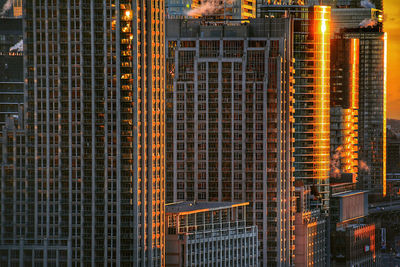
x=90 y=181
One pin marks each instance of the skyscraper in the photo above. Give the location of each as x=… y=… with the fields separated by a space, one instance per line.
x=93 y=183
x=372 y=108
x=365 y=24
x=312 y=110
x=230 y=122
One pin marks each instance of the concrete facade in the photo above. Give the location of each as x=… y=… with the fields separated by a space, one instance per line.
x=230 y=122
x=88 y=187
x=209 y=234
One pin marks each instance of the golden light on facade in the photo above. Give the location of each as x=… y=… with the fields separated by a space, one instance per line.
x=349 y=162
x=323 y=26
x=322 y=18
x=17 y=8
x=384 y=112
x=128 y=14
x=354 y=72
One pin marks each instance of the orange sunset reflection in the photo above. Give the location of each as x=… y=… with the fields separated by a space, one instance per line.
x=392 y=26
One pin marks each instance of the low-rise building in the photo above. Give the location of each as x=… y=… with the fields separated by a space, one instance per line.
x=354 y=245
x=353 y=240
x=310 y=231
x=209 y=233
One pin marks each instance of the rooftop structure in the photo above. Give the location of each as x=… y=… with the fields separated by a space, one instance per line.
x=211 y=9
x=348 y=205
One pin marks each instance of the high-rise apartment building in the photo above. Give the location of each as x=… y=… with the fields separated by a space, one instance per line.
x=372 y=108
x=365 y=24
x=229 y=122
x=312 y=110
x=344 y=107
x=91 y=187
x=216 y=9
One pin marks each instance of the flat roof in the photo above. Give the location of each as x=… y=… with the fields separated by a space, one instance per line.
x=189 y=207
x=349 y=193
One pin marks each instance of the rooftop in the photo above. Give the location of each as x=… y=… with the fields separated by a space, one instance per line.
x=189 y=207
x=349 y=193
x=217 y=29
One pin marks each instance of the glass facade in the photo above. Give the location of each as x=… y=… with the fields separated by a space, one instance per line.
x=312 y=95
x=372 y=108
x=344 y=107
